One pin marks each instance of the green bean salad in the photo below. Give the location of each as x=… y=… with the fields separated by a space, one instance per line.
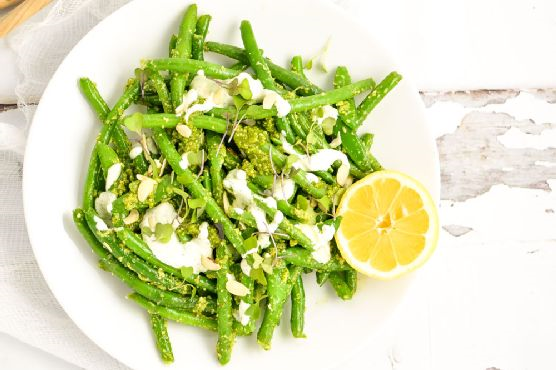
x=219 y=194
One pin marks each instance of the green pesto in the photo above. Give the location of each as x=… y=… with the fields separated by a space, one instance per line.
x=249 y=140
x=190 y=144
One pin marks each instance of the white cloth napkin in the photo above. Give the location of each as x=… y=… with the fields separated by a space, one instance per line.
x=28 y=310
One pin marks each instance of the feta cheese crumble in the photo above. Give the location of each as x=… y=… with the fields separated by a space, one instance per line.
x=320 y=239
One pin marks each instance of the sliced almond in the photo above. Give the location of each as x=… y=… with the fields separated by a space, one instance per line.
x=145 y=188
x=336 y=142
x=342 y=175
x=183 y=130
x=236 y=288
x=209 y=264
x=132 y=217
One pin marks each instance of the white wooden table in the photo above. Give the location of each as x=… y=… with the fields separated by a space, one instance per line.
x=487 y=298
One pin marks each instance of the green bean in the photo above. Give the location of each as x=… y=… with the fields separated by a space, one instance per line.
x=346 y=108
x=183 y=50
x=224 y=310
x=297 y=128
x=255 y=57
x=301 y=104
x=351 y=280
x=297 y=65
x=162 y=90
x=279 y=287
x=351 y=143
x=172 y=44
x=239 y=66
x=185 y=65
x=302 y=257
x=306 y=103
x=93 y=171
x=338 y=281
x=83 y=228
x=89 y=90
x=179 y=315
x=283 y=124
x=289 y=78
x=91 y=93
x=160 y=331
x=277 y=290
x=168 y=120
x=188 y=179
x=376 y=96
x=367 y=140
x=107 y=156
x=201 y=30
x=322 y=277
x=297 y=317
x=216 y=158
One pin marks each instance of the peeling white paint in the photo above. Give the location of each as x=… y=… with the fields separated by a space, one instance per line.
x=526 y=106
x=445 y=117
x=505 y=213
x=516 y=139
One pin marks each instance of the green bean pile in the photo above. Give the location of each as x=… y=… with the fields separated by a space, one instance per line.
x=241 y=192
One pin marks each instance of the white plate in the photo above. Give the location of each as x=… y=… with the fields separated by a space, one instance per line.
x=63 y=133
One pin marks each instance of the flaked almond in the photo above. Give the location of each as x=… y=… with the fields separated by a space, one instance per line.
x=183 y=130
x=336 y=142
x=209 y=264
x=145 y=188
x=132 y=217
x=236 y=288
x=342 y=175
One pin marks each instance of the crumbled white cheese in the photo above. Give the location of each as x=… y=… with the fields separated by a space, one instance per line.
x=184 y=162
x=188 y=98
x=236 y=183
x=326 y=112
x=177 y=254
x=312 y=178
x=240 y=314
x=164 y=213
x=113 y=174
x=135 y=151
x=321 y=160
x=103 y=204
x=320 y=239
x=272 y=98
x=213 y=93
x=255 y=86
x=100 y=224
x=283 y=189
